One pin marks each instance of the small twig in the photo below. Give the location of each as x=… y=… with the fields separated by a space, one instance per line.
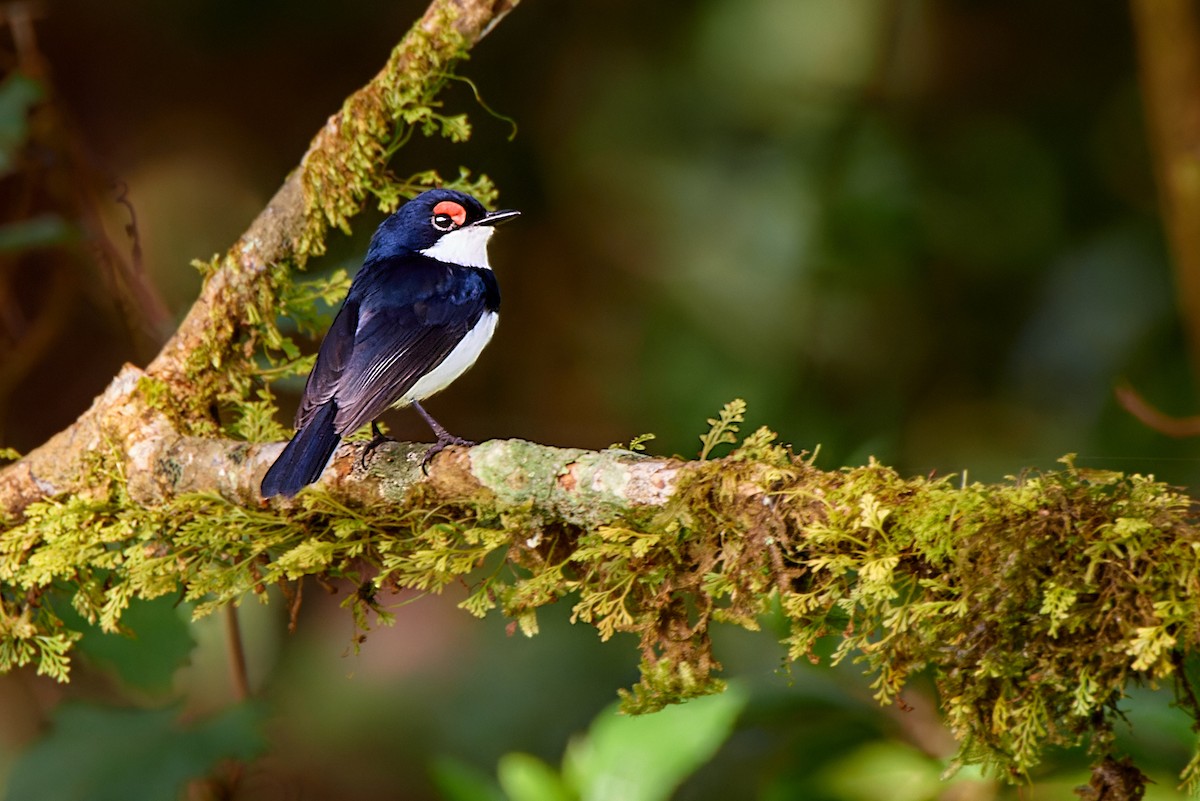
x=237 y=653
x=293 y=595
x=137 y=265
x=142 y=308
x=1163 y=423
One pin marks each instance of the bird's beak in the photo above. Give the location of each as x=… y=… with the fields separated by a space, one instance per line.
x=497 y=217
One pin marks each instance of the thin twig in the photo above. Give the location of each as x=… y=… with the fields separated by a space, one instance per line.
x=1163 y=423
x=237 y=653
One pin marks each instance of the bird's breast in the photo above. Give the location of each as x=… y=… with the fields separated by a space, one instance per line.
x=460 y=358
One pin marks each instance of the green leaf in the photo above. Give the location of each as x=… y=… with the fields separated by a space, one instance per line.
x=458 y=781
x=156 y=642
x=645 y=758
x=886 y=770
x=527 y=778
x=98 y=753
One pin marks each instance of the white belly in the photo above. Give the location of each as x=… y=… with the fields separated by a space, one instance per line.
x=456 y=363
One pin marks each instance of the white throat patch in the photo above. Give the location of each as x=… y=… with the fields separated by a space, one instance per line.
x=466 y=246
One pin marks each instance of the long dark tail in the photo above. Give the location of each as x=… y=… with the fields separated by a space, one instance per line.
x=305 y=456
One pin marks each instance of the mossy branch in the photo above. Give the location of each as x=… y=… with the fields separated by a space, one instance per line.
x=1033 y=603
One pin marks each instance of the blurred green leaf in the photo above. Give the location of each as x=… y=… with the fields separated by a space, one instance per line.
x=458 y=781
x=645 y=758
x=43 y=231
x=527 y=778
x=621 y=758
x=885 y=770
x=110 y=754
x=157 y=644
x=17 y=94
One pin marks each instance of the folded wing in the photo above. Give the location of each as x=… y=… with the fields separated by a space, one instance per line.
x=400 y=321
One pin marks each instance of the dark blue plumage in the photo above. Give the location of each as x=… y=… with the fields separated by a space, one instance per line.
x=305 y=456
x=416 y=317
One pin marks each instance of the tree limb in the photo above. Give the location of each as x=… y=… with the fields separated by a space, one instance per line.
x=343 y=164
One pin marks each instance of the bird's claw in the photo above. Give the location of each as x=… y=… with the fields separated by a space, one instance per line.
x=440 y=446
x=377 y=439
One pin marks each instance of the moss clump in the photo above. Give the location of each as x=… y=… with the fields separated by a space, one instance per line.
x=1034 y=602
x=374 y=122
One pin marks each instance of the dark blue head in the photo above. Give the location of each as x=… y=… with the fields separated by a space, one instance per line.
x=442 y=223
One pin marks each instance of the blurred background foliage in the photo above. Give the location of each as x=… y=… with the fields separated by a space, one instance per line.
x=924 y=230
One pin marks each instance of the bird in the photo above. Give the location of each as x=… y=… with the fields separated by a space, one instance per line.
x=417 y=315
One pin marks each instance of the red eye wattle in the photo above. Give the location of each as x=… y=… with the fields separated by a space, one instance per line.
x=451 y=210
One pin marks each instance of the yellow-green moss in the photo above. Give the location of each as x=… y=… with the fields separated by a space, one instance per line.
x=339 y=175
x=1033 y=603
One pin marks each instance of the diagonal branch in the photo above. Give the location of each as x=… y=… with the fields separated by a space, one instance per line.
x=344 y=164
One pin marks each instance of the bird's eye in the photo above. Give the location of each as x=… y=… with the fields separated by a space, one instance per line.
x=448 y=215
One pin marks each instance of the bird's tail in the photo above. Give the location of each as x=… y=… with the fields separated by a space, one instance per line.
x=305 y=456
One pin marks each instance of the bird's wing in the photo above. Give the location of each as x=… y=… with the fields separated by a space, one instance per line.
x=406 y=319
x=331 y=363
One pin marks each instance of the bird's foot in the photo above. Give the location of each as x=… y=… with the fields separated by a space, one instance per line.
x=377 y=439
x=444 y=438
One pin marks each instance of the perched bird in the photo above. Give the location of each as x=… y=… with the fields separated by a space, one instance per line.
x=416 y=317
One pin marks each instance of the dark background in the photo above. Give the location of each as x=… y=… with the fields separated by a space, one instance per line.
x=925 y=232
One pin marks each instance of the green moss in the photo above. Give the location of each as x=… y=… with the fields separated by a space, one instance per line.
x=339 y=175
x=1033 y=603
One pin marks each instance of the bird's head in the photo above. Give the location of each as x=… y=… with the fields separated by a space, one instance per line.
x=444 y=224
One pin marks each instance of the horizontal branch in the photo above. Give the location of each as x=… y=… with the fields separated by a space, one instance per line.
x=160 y=464
x=1034 y=602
